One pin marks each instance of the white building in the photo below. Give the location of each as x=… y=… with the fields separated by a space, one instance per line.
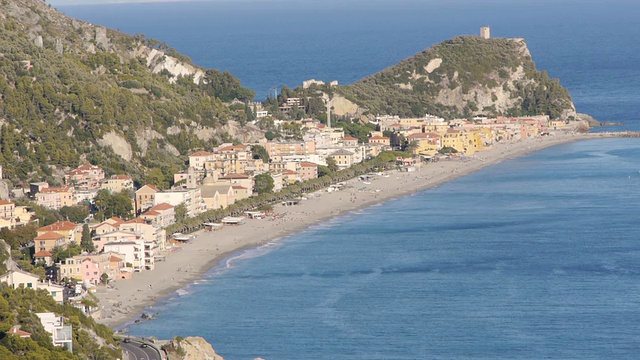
x=18 y=278
x=60 y=334
x=132 y=251
x=191 y=198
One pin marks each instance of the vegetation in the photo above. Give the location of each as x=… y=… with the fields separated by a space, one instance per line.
x=18 y=307
x=57 y=108
x=411 y=88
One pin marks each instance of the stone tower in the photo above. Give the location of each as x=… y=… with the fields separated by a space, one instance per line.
x=485 y=32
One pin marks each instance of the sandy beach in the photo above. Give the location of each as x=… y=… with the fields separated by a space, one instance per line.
x=127 y=299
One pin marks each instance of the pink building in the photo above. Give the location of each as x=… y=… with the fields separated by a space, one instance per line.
x=85 y=177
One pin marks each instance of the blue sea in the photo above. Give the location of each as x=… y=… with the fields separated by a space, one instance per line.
x=536 y=257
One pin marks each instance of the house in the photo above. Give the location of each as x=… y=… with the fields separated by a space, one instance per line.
x=117 y=183
x=61 y=335
x=166 y=214
x=308 y=170
x=380 y=141
x=7 y=209
x=132 y=251
x=48 y=241
x=36 y=187
x=115 y=236
x=19 y=278
x=72 y=232
x=145 y=198
x=349 y=141
x=198 y=159
x=343 y=158
x=217 y=195
x=86 y=268
x=243 y=180
x=191 y=198
x=85 y=177
x=15 y=331
x=43 y=256
x=56 y=197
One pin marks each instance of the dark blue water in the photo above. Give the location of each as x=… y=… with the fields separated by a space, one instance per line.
x=590 y=45
x=533 y=258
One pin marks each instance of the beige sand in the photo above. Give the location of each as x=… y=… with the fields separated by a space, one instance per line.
x=128 y=299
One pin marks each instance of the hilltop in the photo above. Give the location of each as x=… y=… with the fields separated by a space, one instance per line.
x=72 y=92
x=461 y=77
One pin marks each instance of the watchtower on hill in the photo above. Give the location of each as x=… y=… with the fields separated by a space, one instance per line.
x=485 y=32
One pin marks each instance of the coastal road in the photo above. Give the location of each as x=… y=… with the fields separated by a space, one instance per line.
x=134 y=350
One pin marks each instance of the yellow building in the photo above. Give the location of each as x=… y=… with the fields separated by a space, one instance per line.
x=71 y=232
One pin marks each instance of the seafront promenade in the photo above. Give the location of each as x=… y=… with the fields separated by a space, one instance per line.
x=127 y=299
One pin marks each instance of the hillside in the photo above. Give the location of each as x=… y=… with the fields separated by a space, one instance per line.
x=462 y=77
x=72 y=92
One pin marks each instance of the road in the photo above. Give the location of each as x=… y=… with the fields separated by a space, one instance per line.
x=133 y=350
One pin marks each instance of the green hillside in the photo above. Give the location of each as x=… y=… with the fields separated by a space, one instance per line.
x=462 y=77
x=65 y=84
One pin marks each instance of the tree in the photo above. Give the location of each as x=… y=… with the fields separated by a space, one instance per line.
x=263 y=183
x=180 y=212
x=108 y=205
x=323 y=171
x=75 y=214
x=332 y=164
x=259 y=152
x=87 y=242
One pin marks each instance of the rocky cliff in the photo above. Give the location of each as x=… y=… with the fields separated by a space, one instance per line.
x=190 y=348
x=462 y=77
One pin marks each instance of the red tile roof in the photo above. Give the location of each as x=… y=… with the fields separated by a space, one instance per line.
x=59 y=226
x=308 y=164
x=349 y=138
x=42 y=253
x=50 y=235
x=201 y=153
x=161 y=207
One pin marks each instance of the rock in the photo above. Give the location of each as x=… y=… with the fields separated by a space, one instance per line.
x=59 y=46
x=101 y=37
x=191 y=348
x=119 y=145
x=38 y=41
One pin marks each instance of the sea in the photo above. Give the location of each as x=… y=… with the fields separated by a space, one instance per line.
x=535 y=257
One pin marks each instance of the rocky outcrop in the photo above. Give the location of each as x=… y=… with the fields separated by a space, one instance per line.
x=191 y=348
x=118 y=144
x=158 y=61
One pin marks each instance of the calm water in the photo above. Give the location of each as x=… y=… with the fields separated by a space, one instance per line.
x=534 y=258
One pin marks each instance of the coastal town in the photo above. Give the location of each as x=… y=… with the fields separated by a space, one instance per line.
x=119 y=250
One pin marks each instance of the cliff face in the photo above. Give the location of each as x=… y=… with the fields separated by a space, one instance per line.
x=462 y=77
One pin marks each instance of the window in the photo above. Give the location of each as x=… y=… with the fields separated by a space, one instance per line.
x=29 y=285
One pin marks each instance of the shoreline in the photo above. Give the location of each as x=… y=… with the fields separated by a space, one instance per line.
x=122 y=304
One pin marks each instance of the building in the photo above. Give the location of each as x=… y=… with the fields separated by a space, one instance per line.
x=380 y=141
x=48 y=241
x=343 y=158
x=191 y=198
x=61 y=335
x=117 y=183
x=44 y=257
x=132 y=253
x=85 y=177
x=163 y=214
x=72 y=232
x=56 y=197
x=485 y=32
x=7 y=209
x=19 y=278
x=145 y=198
x=198 y=159
x=308 y=170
